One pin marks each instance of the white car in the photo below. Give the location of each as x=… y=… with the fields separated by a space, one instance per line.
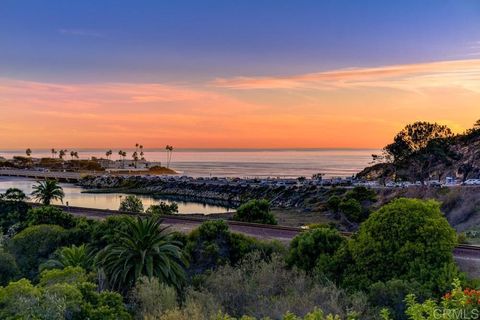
x=472 y=182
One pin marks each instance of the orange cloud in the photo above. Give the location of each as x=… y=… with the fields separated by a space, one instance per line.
x=457 y=73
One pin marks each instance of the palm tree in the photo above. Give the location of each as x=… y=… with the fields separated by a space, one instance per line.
x=108 y=153
x=28 y=152
x=70 y=257
x=141 y=152
x=46 y=191
x=62 y=153
x=54 y=152
x=135 y=158
x=169 y=154
x=143 y=249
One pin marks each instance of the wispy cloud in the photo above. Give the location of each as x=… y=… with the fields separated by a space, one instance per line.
x=464 y=74
x=82 y=33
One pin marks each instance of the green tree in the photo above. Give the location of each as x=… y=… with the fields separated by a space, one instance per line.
x=314 y=249
x=131 y=204
x=33 y=245
x=50 y=215
x=255 y=211
x=163 y=208
x=13 y=194
x=47 y=190
x=144 y=249
x=352 y=209
x=415 y=137
x=73 y=256
x=333 y=202
x=8 y=267
x=407 y=239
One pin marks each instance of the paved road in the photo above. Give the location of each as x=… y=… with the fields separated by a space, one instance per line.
x=36 y=174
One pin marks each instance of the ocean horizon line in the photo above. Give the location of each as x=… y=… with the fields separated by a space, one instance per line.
x=196 y=149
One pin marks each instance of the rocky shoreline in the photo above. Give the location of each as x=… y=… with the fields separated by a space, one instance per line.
x=213 y=191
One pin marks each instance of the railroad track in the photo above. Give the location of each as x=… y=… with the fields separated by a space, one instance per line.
x=284 y=233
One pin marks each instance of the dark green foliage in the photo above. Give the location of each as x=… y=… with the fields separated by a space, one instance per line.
x=12 y=213
x=106 y=231
x=13 y=194
x=314 y=249
x=352 y=209
x=408 y=239
x=255 y=211
x=8 y=268
x=33 y=245
x=61 y=294
x=50 y=215
x=131 y=204
x=333 y=202
x=392 y=294
x=361 y=194
x=212 y=244
x=163 y=208
x=143 y=249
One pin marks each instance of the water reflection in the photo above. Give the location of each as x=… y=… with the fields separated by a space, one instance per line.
x=75 y=197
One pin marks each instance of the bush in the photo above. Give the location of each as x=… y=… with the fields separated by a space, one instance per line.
x=255 y=211
x=408 y=239
x=33 y=245
x=212 y=244
x=457 y=304
x=60 y=300
x=50 y=215
x=333 y=202
x=361 y=194
x=314 y=248
x=131 y=204
x=8 y=268
x=11 y=213
x=391 y=296
x=107 y=231
x=151 y=298
x=163 y=208
x=266 y=288
x=352 y=209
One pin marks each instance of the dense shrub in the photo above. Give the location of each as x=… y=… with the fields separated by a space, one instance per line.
x=8 y=267
x=266 y=288
x=55 y=298
x=408 y=239
x=212 y=244
x=11 y=213
x=255 y=211
x=33 y=245
x=352 y=209
x=107 y=231
x=131 y=204
x=151 y=298
x=361 y=194
x=333 y=202
x=391 y=295
x=50 y=215
x=314 y=248
x=163 y=208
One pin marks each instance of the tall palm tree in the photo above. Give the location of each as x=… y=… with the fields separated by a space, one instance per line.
x=169 y=150
x=108 y=153
x=28 y=152
x=54 y=152
x=144 y=249
x=70 y=257
x=141 y=152
x=46 y=191
x=62 y=153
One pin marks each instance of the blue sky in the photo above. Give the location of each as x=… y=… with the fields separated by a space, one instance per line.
x=178 y=41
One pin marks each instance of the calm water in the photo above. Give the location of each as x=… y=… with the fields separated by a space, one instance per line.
x=104 y=201
x=247 y=163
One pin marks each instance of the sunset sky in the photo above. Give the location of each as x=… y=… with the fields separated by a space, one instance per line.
x=234 y=74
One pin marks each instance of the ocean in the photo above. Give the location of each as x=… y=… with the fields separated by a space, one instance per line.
x=284 y=163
